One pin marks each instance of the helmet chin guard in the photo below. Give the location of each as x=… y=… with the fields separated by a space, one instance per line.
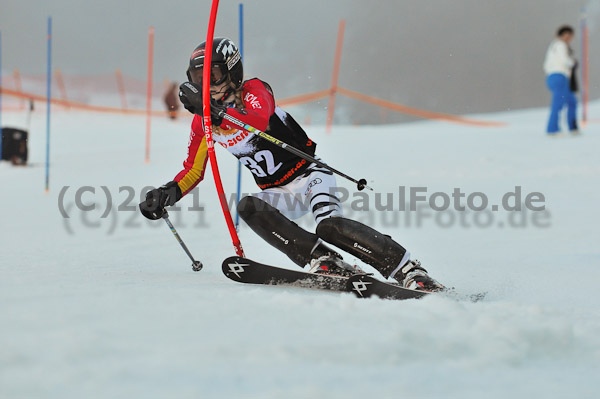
x=228 y=91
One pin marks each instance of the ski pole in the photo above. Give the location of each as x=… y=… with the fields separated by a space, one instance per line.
x=360 y=184
x=196 y=264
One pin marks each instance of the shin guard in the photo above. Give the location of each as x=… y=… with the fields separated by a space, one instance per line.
x=367 y=244
x=285 y=235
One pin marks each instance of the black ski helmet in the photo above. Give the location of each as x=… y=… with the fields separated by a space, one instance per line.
x=226 y=58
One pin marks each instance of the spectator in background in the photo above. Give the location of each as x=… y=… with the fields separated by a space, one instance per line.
x=559 y=66
x=172 y=100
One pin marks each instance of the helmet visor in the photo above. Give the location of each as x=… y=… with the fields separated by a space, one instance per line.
x=218 y=74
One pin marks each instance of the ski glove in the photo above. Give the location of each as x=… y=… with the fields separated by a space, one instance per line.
x=190 y=95
x=217 y=110
x=153 y=207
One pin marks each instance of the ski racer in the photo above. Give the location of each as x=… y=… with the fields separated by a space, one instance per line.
x=278 y=173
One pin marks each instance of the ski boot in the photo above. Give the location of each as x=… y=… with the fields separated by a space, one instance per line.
x=333 y=264
x=413 y=276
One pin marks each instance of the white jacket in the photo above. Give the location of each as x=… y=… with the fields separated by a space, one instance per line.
x=558 y=59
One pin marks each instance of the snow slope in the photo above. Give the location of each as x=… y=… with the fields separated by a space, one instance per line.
x=109 y=307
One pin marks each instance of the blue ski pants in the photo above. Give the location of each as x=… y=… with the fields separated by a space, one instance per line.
x=562 y=95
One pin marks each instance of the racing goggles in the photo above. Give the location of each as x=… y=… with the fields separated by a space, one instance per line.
x=218 y=74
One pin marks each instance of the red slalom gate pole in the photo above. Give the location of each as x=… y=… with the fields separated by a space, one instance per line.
x=121 y=87
x=18 y=87
x=336 y=72
x=149 y=91
x=60 y=82
x=208 y=128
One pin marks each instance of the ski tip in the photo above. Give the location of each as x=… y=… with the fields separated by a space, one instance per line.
x=233 y=267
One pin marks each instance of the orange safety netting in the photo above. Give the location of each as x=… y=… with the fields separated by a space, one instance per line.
x=304 y=98
x=80 y=105
x=420 y=113
x=288 y=101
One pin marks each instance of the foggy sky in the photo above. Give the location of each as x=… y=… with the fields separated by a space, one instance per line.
x=460 y=56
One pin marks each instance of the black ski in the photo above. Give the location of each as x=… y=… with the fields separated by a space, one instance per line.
x=364 y=286
x=245 y=270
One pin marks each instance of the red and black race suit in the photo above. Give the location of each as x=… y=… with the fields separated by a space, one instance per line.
x=271 y=165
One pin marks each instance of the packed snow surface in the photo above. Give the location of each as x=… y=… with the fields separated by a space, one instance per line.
x=104 y=304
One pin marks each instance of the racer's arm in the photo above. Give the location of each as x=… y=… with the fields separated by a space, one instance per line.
x=195 y=163
x=259 y=105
